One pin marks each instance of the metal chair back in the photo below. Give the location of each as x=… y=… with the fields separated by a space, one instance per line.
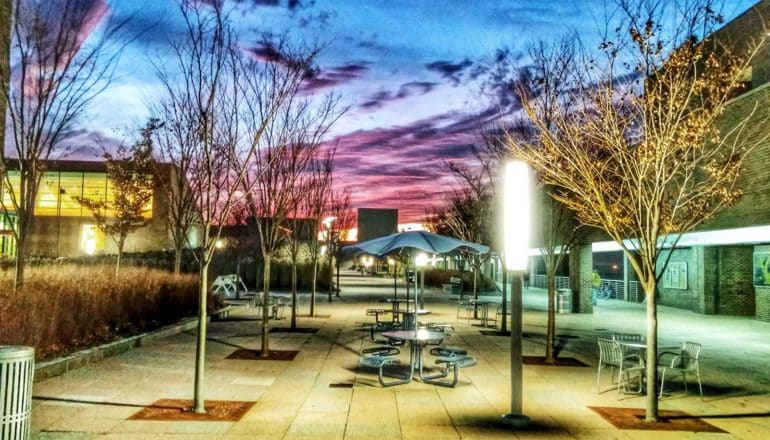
x=610 y=353
x=691 y=350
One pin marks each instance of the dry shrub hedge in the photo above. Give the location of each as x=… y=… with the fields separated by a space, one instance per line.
x=61 y=308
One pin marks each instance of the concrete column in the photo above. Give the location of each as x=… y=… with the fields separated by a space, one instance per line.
x=580 y=269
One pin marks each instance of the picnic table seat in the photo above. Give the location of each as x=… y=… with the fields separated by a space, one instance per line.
x=378 y=358
x=448 y=351
x=451 y=363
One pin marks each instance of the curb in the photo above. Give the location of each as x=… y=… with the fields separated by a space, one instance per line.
x=59 y=366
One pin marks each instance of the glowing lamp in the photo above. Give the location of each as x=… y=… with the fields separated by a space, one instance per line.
x=516 y=216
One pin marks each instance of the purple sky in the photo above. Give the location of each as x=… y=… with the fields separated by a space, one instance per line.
x=409 y=70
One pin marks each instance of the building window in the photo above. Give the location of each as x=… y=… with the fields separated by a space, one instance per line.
x=91 y=239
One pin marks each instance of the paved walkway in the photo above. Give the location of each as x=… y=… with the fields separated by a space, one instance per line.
x=294 y=400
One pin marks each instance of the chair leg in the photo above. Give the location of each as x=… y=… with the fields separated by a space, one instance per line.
x=700 y=387
x=684 y=379
x=598 y=377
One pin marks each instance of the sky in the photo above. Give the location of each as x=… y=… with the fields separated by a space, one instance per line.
x=410 y=71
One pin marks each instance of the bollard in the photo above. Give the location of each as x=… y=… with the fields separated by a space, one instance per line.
x=17 y=368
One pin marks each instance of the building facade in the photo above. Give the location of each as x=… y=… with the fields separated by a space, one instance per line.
x=64 y=228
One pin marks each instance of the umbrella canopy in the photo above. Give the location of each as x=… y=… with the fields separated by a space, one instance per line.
x=422 y=240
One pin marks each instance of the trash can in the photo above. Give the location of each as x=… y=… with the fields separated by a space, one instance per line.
x=17 y=367
x=564 y=301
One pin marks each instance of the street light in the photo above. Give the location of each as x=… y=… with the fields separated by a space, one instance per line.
x=328 y=223
x=420 y=261
x=516 y=233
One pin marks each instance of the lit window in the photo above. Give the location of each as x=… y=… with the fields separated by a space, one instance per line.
x=91 y=239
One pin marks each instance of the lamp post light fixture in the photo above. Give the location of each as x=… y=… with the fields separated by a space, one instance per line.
x=368 y=261
x=516 y=213
x=420 y=261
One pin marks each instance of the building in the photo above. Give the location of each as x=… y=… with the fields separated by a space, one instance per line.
x=64 y=228
x=375 y=223
x=724 y=266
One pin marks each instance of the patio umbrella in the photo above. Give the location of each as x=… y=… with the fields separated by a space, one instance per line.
x=420 y=240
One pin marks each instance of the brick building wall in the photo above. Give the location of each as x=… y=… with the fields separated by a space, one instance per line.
x=736 y=290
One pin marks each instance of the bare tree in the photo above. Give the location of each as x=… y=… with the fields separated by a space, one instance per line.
x=336 y=233
x=545 y=81
x=646 y=161
x=61 y=57
x=171 y=176
x=212 y=86
x=287 y=145
x=311 y=195
x=315 y=204
x=130 y=175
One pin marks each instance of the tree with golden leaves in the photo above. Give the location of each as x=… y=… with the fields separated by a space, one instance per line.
x=639 y=154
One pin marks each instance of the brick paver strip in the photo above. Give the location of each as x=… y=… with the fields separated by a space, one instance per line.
x=633 y=418
x=176 y=409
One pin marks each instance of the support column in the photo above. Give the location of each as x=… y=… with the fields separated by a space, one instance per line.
x=580 y=269
x=626 y=268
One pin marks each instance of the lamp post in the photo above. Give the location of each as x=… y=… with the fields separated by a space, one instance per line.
x=392 y=263
x=420 y=261
x=328 y=223
x=516 y=233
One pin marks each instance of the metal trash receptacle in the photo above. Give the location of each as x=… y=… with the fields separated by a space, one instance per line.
x=17 y=369
x=564 y=301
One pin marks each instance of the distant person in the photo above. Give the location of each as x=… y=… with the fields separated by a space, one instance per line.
x=525 y=279
x=596 y=285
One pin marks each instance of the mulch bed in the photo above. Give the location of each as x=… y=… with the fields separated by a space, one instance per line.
x=633 y=418
x=177 y=409
x=292 y=330
x=558 y=362
x=256 y=355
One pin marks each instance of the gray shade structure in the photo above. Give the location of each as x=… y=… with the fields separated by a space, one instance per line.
x=422 y=240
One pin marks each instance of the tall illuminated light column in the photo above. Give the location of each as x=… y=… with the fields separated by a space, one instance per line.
x=516 y=213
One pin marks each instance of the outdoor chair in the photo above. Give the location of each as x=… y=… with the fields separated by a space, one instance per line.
x=379 y=358
x=684 y=362
x=611 y=355
x=380 y=327
x=464 y=311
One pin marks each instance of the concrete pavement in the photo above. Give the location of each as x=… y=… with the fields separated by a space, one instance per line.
x=322 y=394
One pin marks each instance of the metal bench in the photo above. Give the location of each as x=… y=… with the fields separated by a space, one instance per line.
x=451 y=363
x=448 y=351
x=380 y=357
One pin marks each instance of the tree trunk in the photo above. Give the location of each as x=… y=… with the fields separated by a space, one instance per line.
x=651 y=413
x=475 y=291
x=331 y=277
x=266 y=307
x=177 y=259
x=200 y=343
x=313 y=287
x=550 y=335
x=121 y=243
x=338 y=277
x=21 y=263
x=294 y=293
